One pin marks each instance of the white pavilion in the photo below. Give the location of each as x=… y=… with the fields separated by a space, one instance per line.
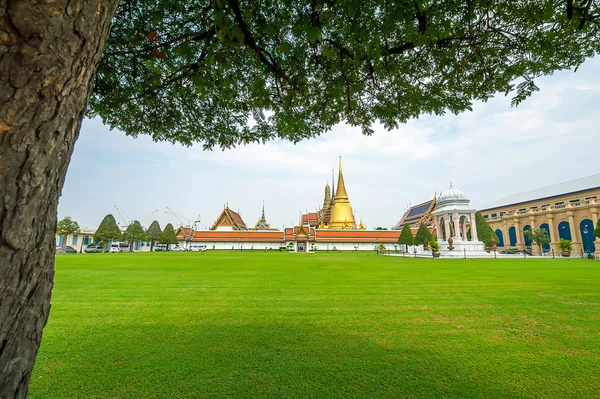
x=453 y=218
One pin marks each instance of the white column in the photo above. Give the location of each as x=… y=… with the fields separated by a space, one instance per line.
x=446 y=219
x=464 y=230
x=474 y=236
x=438 y=229
x=456 y=220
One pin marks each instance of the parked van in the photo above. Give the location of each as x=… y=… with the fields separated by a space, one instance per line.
x=119 y=247
x=198 y=247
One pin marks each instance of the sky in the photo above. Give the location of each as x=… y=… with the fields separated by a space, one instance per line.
x=487 y=153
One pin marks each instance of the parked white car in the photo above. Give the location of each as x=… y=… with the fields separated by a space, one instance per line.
x=198 y=247
x=178 y=248
x=119 y=247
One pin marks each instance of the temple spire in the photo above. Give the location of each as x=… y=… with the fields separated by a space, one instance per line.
x=340 y=193
x=332 y=185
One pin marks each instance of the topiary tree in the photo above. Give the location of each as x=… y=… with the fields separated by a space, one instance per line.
x=406 y=237
x=597 y=229
x=538 y=236
x=65 y=227
x=134 y=233
x=168 y=236
x=434 y=246
x=484 y=230
x=423 y=234
x=107 y=231
x=154 y=234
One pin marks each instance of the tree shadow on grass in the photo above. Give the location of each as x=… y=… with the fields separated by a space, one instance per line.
x=242 y=359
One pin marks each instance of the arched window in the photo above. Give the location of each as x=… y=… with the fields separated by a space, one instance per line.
x=526 y=238
x=512 y=236
x=587 y=235
x=564 y=230
x=500 y=238
x=546 y=247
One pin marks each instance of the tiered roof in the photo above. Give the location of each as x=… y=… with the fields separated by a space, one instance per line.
x=229 y=218
x=311 y=218
x=417 y=215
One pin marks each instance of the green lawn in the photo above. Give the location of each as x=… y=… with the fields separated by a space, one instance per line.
x=241 y=325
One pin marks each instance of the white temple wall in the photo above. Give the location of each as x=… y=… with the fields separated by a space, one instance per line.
x=233 y=245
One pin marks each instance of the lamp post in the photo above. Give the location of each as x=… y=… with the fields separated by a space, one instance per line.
x=377 y=246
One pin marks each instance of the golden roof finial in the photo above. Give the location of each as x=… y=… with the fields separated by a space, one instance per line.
x=341 y=193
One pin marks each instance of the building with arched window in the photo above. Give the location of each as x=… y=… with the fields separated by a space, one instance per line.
x=568 y=210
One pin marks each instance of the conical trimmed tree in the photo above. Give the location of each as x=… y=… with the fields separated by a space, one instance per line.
x=107 y=231
x=423 y=234
x=154 y=234
x=406 y=237
x=484 y=230
x=134 y=233
x=168 y=236
x=597 y=229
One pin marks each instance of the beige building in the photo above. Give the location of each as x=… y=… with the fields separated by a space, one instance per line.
x=567 y=210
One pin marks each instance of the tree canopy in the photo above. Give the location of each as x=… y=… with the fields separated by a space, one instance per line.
x=134 y=232
x=406 y=236
x=225 y=73
x=538 y=236
x=108 y=230
x=168 y=235
x=484 y=230
x=423 y=234
x=66 y=226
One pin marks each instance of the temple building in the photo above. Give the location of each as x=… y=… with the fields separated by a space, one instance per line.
x=332 y=228
x=568 y=210
x=229 y=220
x=342 y=217
x=262 y=222
x=419 y=214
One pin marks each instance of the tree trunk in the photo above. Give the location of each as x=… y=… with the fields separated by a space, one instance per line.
x=49 y=52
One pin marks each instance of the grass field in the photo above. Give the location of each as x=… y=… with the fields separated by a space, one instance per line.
x=241 y=325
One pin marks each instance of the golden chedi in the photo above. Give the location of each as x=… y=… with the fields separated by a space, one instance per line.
x=342 y=216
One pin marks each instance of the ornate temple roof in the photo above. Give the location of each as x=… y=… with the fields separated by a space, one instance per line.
x=230 y=219
x=418 y=214
x=262 y=222
x=311 y=218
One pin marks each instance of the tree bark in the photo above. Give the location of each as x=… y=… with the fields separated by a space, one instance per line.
x=49 y=52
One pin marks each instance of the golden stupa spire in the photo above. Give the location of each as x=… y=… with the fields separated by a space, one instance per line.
x=340 y=193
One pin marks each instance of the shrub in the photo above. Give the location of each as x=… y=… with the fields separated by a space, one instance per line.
x=565 y=245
